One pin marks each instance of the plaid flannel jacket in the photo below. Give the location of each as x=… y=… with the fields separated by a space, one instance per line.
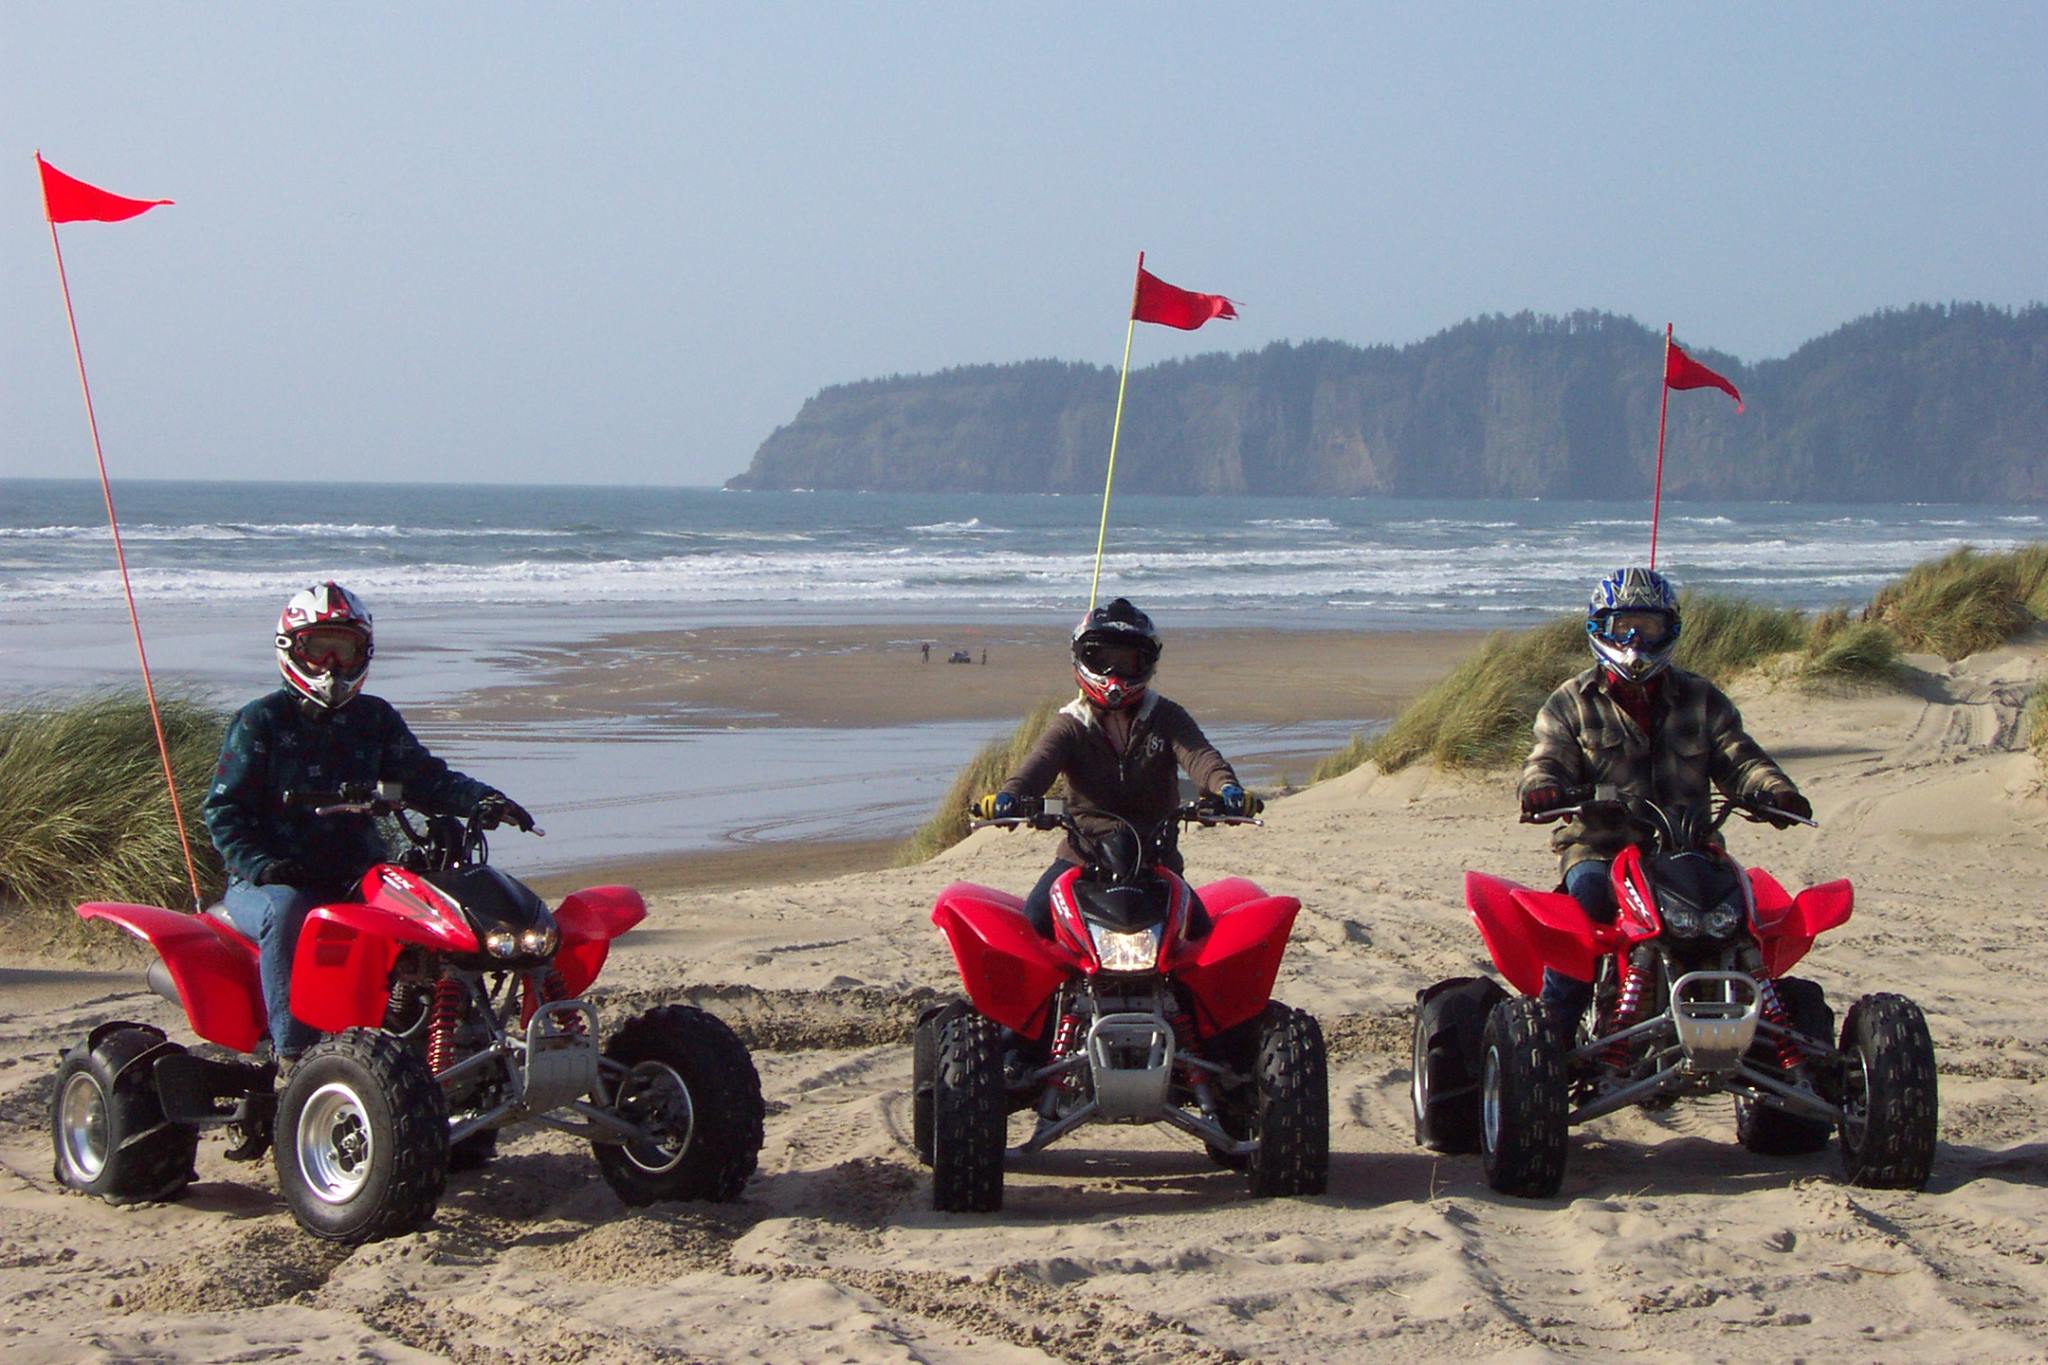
x=1583 y=737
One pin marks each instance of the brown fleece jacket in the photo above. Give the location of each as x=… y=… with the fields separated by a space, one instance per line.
x=1141 y=784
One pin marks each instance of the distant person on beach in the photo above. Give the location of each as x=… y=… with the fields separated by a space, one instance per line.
x=1654 y=731
x=984 y=656
x=927 y=648
x=1121 y=747
x=319 y=732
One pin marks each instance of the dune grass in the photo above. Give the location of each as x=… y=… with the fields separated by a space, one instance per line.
x=1480 y=715
x=83 y=810
x=1965 y=601
x=984 y=773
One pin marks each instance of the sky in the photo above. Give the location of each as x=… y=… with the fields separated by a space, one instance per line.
x=621 y=243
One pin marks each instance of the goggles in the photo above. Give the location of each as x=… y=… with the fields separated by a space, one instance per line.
x=1649 y=628
x=337 y=649
x=1114 y=657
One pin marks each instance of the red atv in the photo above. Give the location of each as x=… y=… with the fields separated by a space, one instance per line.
x=1128 y=1014
x=1690 y=998
x=451 y=997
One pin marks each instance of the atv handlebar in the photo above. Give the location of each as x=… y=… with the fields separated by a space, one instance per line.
x=1608 y=799
x=1039 y=813
x=380 y=799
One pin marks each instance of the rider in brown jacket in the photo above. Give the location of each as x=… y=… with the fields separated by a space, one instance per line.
x=1637 y=723
x=1120 y=746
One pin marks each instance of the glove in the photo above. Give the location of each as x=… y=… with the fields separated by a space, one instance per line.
x=1237 y=801
x=1537 y=800
x=284 y=872
x=1790 y=802
x=995 y=806
x=496 y=808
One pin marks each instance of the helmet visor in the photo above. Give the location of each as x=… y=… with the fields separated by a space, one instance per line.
x=334 y=649
x=1114 y=658
x=1647 y=629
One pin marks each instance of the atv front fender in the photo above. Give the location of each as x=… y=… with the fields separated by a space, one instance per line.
x=1229 y=973
x=589 y=920
x=1526 y=931
x=1009 y=972
x=215 y=974
x=1813 y=912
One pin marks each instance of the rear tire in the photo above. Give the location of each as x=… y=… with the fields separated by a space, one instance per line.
x=361 y=1143
x=692 y=1077
x=1292 y=1084
x=1450 y=1032
x=970 y=1115
x=1524 y=1124
x=924 y=1070
x=1773 y=1132
x=1890 y=1102
x=107 y=1127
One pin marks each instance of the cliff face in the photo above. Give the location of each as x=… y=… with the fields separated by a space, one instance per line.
x=1937 y=403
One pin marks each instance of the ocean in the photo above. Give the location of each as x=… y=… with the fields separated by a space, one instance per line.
x=465 y=580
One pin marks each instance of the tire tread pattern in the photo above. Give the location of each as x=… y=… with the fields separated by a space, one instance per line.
x=1293 y=1084
x=149 y=1160
x=1535 y=1124
x=1901 y=1129
x=418 y=1139
x=725 y=1095
x=970 y=1116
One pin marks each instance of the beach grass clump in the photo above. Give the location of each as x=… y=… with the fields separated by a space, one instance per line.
x=1480 y=713
x=1966 y=600
x=984 y=772
x=84 y=814
x=1483 y=712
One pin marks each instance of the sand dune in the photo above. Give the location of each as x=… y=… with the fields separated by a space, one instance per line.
x=1126 y=1245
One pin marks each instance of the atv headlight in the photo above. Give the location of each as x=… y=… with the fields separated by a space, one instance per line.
x=1138 y=952
x=502 y=943
x=539 y=940
x=1724 y=919
x=1682 y=921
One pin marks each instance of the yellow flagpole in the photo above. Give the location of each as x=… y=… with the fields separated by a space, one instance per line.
x=1115 y=427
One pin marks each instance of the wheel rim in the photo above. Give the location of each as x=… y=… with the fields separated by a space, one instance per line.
x=656 y=1096
x=335 y=1144
x=1421 y=1058
x=1855 y=1098
x=1489 y=1101
x=82 y=1127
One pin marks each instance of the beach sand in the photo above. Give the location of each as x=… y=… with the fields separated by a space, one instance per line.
x=1127 y=1245
x=877 y=675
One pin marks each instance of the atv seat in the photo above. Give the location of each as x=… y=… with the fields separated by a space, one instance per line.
x=224 y=926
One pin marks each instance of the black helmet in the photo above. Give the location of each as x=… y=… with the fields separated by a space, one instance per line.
x=1116 y=649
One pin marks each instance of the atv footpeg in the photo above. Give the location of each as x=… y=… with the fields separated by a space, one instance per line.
x=1716 y=1015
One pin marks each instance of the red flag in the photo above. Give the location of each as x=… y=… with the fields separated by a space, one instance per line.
x=1158 y=301
x=1681 y=371
x=67 y=200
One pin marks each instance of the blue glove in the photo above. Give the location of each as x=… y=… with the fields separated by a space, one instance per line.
x=996 y=806
x=1237 y=801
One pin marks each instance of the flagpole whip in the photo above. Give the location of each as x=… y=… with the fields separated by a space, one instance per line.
x=1116 y=426
x=163 y=748
x=1663 y=406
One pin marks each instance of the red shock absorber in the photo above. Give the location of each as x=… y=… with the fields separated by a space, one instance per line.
x=444 y=1017
x=1626 y=1004
x=552 y=987
x=1789 y=1055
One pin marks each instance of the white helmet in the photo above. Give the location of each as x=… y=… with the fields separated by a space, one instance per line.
x=324 y=644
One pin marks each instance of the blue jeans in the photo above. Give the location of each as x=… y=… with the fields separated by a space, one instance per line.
x=272 y=915
x=1591 y=884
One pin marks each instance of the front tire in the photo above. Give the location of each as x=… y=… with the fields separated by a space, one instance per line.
x=107 y=1127
x=1524 y=1125
x=1292 y=1085
x=1890 y=1103
x=361 y=1141
x=970 y=1115
x=1768 y=1131
x=1450 y=1030
x=690 y=1076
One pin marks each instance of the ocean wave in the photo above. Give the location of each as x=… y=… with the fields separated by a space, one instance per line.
x=970 y=527
x=1295 y=523
x=283 y=530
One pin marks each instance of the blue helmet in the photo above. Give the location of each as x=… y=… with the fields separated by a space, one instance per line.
x=1619 y=627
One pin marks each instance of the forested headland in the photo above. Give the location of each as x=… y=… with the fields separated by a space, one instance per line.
x=1926 y=403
